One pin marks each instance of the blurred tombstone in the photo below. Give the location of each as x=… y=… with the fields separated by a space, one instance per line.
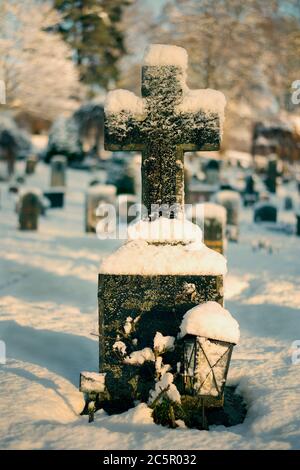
x=272 y=173
x=56 y=197
x=214 y=226
x=231 y=201
x=30 y=165
x=29 y=210
x=8 y=150
x=298 y=224
x=211 y=218
x=212 y=172
x=265 y=212
x=96 y=195
x=58 y=171
x=249 y=195
x=126 y=212
x=201 y=192
x=288 y=203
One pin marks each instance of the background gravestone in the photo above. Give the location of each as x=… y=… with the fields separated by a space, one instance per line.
x=162 y=125
x=214 y=226
x=96 y=194
x=231 y=201
x=212 y=172
x=250 y=195
x=272 y=173
x=58 y=171
x=29 y=210
x=265 y=212
x=298 y=224
x=30 y=165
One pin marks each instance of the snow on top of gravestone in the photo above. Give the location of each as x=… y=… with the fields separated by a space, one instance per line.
x=164 y=230
x=123 y=100
x=212 y=321
x=207 y=100
x=140 y=257
x=32 y=190
x=214 y=211
x=164 y=54
x=108 y=189
x=227 y=195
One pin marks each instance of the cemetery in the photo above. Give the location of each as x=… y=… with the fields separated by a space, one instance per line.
x=149 y=288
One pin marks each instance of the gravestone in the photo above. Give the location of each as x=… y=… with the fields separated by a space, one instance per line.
x=231 y=201
x=288 y=203
x=212 y=172
x=211 y=218
x=29 y=210
x=56 y=197
x=265 y=212
x=250 y=195
x=30 y=165
x=58 y=171
x=214 y=226
x=95 y=195
x=148 y=284
x=272 y=174
x=298 y=224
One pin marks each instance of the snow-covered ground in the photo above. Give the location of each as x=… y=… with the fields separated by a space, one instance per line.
x=48 y=310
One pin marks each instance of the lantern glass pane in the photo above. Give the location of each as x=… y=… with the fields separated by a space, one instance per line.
x=212 y=359
x=189 y=357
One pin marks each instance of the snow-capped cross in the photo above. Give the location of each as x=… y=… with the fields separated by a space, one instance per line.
x=167 y=121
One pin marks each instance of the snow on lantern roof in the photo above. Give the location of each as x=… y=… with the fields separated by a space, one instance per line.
x=141 y=258
x=163 y=54
x=210 y=320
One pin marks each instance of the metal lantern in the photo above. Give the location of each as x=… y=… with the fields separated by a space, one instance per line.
x=205 y=368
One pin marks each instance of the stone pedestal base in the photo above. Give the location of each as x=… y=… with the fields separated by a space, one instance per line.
x=155 y=303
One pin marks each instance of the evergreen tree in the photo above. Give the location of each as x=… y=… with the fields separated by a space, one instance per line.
x=91 y=27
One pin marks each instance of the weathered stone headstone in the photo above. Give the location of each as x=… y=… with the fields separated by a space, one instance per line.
x=56 y=197
x=212 y=172
x=250 y=195
x=29 y=210
x=30 y=165
x=265 y=212
x=95 y=195
x=148 y=284
x=215 y=226
x=288 y=203
x=211 y=218
x=272 y=173
x=58 y=171
x=231 y=201
x=298 y=224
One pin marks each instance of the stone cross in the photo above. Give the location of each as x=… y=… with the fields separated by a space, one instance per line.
x=167 y=121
